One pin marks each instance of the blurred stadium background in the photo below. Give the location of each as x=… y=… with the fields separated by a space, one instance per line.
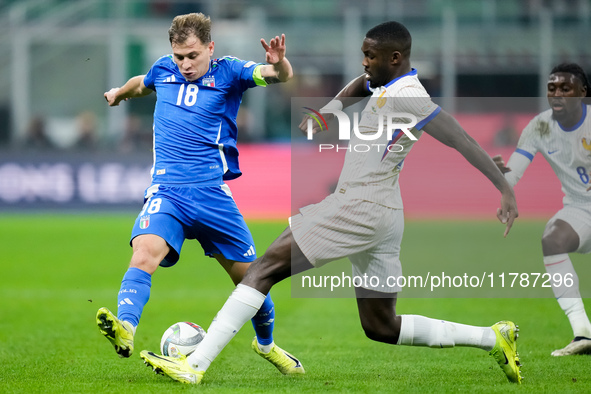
x=62 y=147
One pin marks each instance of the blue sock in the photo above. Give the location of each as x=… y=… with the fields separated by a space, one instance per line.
x=263 y=322
x=133 y=295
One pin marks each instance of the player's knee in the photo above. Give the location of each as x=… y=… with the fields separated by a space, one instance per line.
x=371 y=332
x=559 y=237
x=380 y=333
x=274 y=265
x=554 y=242
x=146 y=259
x=378 y=316
x=262 y=275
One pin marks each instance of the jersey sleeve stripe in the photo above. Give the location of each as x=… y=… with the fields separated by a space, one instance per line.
x=423 y=122
x=525 y=153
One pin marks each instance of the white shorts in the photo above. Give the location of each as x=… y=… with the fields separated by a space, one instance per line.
x=368 y=234
x=579 y=219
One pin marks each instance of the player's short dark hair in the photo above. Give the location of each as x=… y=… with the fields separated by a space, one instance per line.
x=577 y=71
x=184 y=25
x=392 y=34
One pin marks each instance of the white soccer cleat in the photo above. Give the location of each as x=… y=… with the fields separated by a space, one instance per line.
x=579 y=345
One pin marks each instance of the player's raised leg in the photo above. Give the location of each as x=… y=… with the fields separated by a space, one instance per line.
x=133 y=295
x=241 y=306
x=263 y=323
x=235 y=239
x=380 y=323
x=243 y=303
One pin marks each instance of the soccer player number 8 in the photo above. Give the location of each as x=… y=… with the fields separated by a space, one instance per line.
x=583 y=175
x=153 y=206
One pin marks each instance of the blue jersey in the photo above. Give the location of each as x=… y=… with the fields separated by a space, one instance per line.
x=195 y=122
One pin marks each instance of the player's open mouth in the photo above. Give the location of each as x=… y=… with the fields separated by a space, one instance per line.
x=557 y=105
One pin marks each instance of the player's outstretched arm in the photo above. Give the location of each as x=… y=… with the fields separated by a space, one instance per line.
x=133 y=88
x=448 y=131
x=279 y=68
x=353 y=92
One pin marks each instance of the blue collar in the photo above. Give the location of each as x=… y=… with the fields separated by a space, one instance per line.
x=412 y=71
x=579 y=123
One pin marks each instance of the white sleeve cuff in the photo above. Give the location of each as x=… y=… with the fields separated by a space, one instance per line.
x=517 y=163
x=333 y=105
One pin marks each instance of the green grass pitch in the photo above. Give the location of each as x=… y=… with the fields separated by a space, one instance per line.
x=58 y=270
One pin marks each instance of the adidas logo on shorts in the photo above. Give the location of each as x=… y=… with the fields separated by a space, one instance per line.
x=249 y=252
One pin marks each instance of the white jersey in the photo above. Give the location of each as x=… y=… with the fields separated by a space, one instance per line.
x=568 y=151
x=372 y=166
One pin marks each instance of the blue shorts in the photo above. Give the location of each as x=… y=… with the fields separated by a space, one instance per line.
x=205 y=212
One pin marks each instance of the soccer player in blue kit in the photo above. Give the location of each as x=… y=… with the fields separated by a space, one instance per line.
x=194 y=152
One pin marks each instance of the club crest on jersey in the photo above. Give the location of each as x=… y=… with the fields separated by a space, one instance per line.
x=586 y=145
x=144 y=222
x=381 y=101
x=209 y=81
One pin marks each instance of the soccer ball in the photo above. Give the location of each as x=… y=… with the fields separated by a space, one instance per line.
x=181 y=338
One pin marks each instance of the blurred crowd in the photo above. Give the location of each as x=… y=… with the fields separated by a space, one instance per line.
x=83 y=135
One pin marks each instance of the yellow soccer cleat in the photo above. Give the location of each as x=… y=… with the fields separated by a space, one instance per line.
x=505 y=350
x=176 y=368
x=119 y=333
x=285 y=362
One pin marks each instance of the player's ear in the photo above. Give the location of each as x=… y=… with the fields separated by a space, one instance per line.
x=210 y=48
x=396 y=57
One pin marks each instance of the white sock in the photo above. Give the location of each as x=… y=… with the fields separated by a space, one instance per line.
x=568 y=297
x=130 y=326
x=241 y=306
x=265 y=348
x=422 y=331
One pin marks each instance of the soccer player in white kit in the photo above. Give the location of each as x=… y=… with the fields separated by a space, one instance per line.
x=363 y=220
x=562 y=135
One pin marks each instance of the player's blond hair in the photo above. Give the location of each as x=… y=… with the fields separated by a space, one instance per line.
x=186 y=25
